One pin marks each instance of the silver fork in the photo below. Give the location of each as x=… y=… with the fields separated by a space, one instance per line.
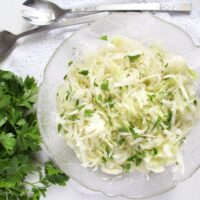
x=47 y=12
x=8 y=39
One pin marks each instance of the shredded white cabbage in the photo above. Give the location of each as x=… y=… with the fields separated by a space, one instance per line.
x=127 y=107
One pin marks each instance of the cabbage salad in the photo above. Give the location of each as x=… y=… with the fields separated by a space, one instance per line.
x=127 y=107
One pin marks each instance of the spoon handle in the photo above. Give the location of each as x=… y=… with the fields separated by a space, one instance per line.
x=68 y=22
x=181 y=7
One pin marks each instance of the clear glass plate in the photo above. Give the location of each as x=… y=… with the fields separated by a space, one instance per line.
x=141 y=26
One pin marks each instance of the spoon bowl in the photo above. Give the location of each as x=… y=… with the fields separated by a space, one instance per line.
x=44 y=10
x=39 y=17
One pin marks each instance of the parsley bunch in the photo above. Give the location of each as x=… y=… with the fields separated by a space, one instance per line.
x=19 y=139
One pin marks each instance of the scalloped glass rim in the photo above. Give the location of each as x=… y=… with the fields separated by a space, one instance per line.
x=140 y=26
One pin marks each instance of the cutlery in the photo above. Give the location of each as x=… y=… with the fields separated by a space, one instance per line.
x=47 y=12
x=8 y=39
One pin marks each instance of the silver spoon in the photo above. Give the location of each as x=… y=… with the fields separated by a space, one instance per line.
x=7 y=39
x=43 y=17
x=48 y=12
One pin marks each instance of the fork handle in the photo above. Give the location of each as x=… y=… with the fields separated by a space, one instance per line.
x=68 y=22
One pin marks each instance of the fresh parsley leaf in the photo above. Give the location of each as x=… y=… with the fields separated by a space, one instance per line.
x=19 y=140
x=84 y=72
x=3 y=120
x=6 y=75
x=105 y=85
x=104 y=37
x=8 y=141
x=21 y=122
x=4 y=102
x=55 y=175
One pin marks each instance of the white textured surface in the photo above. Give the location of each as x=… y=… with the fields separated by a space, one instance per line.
x=10 y=16
x=30 y=57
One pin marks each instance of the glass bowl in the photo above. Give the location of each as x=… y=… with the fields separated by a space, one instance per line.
x=140 y=26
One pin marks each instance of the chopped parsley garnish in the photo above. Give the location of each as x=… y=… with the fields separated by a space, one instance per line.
x=157 y=123
x=104 y=160
x=73 y=117
x=169 y=119
x=100 y=98
x=67 y=96
x=133 y=58
x=59 y=127
x=107 y=150
x=110 y=102
x=88 y=113
x=70 y=63
x=123 y=129
x=81 y=107
x=84 y=72
x=105 y=85
x=77 y=102
x=95 y=84
x=131 y=100
x=126 y=167
x=104 y=37
x=137 y=158
x=182 y=140
x=65 y=77
x=151 y=97
x=122 y=140
x=154 y=151
x=132 y=131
